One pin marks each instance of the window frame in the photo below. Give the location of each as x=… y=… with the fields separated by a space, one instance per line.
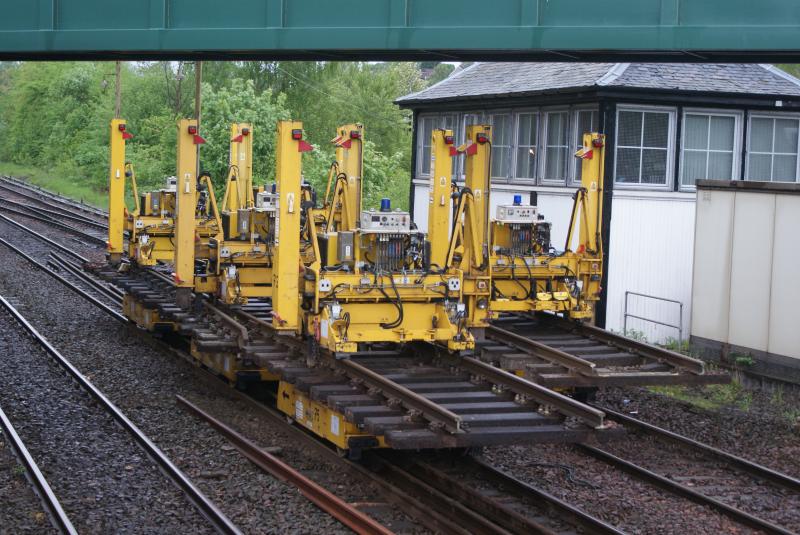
x=771 y=115
x=421 y=141
x=543 y=130
x=488 y=116
x=578 y=141
x=669 y=184
x=537 y=112
x=738 y=117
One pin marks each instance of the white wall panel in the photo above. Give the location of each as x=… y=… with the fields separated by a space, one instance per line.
x=712 y=257
x=751 y=270
x=652 y=236
x=784 y=319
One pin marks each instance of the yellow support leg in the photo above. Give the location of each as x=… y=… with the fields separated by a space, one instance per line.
x=439 y=202
x=286 y=275
x=116 y=190
x=186 y=206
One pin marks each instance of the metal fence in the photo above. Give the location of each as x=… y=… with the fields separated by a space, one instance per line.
x=627 y=315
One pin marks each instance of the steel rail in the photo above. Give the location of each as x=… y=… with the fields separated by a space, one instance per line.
x=634 y=346
x=699 y=498
x=49 y=195
x=498 y=513
x=51 y=504
x=203 y=504
x=53 y=223
x=317 y=494
x=540 y=394
x=86 y=295
x=578 y=517
x=62 y=213
x=541 y=350
x=45 y=239
x=754 y=469
x=58 y=262
x=38 y=190
x=244 y=336
x=434 y=412
x=422 y=512
x=463 y=518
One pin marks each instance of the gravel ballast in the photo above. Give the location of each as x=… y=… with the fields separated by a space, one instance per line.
x=144 y=380
x=104 y=481
x=20 y=508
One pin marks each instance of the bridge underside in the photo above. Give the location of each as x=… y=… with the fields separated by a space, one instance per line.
x=635 y=30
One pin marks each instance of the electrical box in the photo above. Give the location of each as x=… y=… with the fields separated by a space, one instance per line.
x=243 y=223
x=345 y=244
x=266 y=200
x=385 y=221
x=513 y=213
x=171 y=183
x=155 y=204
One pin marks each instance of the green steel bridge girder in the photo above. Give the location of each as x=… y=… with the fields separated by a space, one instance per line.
x=683 y=30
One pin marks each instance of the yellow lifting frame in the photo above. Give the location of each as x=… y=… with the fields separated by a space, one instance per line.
x=241 y=159
x=439 y=201
x=347 y=179
x=590 y=195
x=286 y=273
x=186 y=204
x=116 y=191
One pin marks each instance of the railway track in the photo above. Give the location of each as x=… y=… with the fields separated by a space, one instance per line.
x=32 y=213
x=52 y=506
x=748 y=493
x=53 y=200
x=108 y=299
x=479 y=498
x=591 y=346
x=425 y=510
x=71 y=425
x=558 y=353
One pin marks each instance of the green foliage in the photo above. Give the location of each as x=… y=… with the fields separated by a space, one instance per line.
x=238 y=102
x=633 y=334
x=711 y=397
x=440 y=72
x=743 y=359
x=54 y=117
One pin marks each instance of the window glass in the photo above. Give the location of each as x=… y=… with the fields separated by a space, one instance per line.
x=427 y=125
x=556 y=145
x=708 y=147
x=722 y=133
x=642 y=147
x=501 y=145
x=585 y=123
x=527 y=130
x=773 y=149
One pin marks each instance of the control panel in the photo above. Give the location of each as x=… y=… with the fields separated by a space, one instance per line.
x=386 y=221
x=517 y=213
x=266 y=200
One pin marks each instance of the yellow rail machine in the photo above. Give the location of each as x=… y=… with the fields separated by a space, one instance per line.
x=244 y=253
x=150 y=226
x=370 y=279
x=513 y=247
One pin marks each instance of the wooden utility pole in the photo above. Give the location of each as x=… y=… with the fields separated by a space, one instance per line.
x=198 y=86
x=118 y=91
x=198 y=81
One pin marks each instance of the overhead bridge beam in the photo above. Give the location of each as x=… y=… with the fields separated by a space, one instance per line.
x=681 y=30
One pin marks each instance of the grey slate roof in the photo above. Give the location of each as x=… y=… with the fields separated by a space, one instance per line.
x=517 y=79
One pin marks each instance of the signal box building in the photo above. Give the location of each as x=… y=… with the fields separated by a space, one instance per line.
x=667 y=125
